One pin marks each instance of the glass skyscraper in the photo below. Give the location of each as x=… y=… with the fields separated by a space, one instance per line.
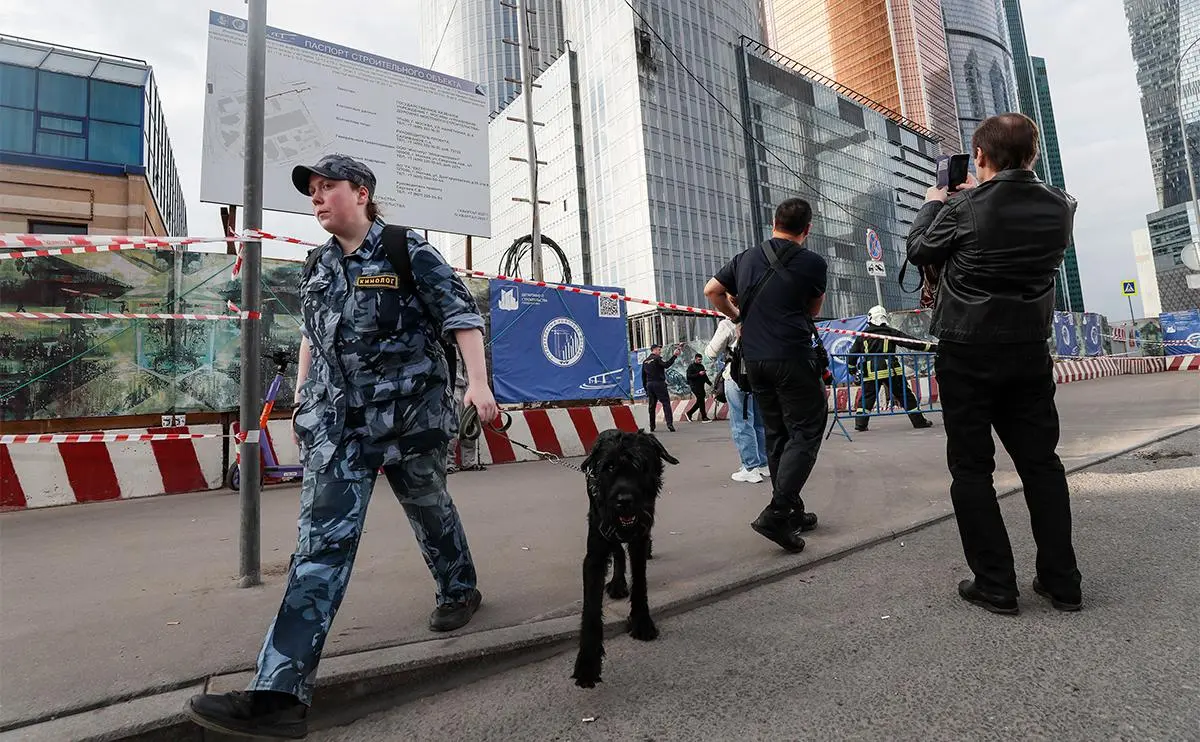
x=858 y=164
x=982 y=61
x=892 y=51
x=1162 y=34
x=1026 y=87
x=665 y=166
x=1070 y=296
x=465 y=38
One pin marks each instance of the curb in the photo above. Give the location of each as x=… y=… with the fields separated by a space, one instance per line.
x=355 y=685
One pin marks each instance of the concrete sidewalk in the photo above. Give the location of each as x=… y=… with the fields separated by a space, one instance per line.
x=117 y=600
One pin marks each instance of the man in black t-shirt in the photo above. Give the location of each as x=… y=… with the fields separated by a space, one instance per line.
x=779 y=348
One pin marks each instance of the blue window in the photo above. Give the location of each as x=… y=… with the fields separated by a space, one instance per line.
x=18 y=86
x=121 y=104
x=58 y=123
x=61 y=145
x=116 y=143
x=16 y=130
x=62 y=94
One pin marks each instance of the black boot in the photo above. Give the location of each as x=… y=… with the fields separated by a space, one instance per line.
x=455 y=615
x=970 y=592
x=253 y=713
x=778 y=527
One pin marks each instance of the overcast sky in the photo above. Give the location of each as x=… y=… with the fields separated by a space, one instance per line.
x=1085 y=43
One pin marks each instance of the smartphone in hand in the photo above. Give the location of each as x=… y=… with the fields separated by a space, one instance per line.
x=952 y=171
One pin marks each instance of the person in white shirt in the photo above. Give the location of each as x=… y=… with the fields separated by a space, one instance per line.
x=745 y=422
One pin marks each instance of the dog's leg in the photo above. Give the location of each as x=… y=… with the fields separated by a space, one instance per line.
x=640 y=625
x=591 y=631
x=618 y=588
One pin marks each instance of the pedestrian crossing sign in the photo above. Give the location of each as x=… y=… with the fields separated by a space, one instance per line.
x=1129 y=288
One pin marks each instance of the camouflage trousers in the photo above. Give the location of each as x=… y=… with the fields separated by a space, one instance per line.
x=333 y=506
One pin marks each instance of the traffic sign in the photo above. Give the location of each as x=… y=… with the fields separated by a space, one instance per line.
x=1129 y=288
x=876 y=268
x=874 y=247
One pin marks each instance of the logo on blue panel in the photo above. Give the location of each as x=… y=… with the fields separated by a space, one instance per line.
x=562 y=342
x=1095 y=335
x=840 y=347
x=1193 y=340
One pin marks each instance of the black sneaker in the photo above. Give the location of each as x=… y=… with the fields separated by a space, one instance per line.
x=968 y=591
x=1067 y=606
x=671 y=428
x=779 y=531
x=250 y=713
x=923 y=424
x=455 y=615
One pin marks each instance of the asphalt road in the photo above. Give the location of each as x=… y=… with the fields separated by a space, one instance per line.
x=878 y=646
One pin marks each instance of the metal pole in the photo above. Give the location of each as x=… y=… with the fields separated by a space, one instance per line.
x=878 y=292
x=469 y=266
x=250 y=466
x=1132 y=325
x=523 y=36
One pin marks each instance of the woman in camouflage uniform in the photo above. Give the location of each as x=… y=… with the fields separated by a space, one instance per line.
x=373 y=390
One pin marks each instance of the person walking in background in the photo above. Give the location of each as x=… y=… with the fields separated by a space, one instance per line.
x=697 y=379
x=882 y=371
x=780 y=288
x=654 y=381
x=745 y=422
x=999 y=244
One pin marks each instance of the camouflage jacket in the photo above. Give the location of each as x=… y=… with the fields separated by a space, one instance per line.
x=378 y=385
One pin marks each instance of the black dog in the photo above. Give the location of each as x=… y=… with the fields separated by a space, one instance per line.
x=624 y=475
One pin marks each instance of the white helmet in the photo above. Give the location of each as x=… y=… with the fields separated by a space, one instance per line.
x=877 y=315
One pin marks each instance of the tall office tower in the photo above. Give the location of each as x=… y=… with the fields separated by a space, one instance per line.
x=892 y=51
x=1163 y=34
x=665 y=164
x=981 y=60
x=1070 y=296
x=1026 y=87
x=465 y=38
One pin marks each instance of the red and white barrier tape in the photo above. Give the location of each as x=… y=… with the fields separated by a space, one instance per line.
x=119 y=315
x=6 y=440
x=76 y=244
x=251 y=436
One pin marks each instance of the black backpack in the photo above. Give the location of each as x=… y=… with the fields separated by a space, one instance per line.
x=395 y=246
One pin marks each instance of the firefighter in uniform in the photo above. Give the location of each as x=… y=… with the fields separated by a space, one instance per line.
x=882 y=370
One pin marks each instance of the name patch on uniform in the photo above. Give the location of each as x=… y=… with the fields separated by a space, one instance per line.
x=378 y=281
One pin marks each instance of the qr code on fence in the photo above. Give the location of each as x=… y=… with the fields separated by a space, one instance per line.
x=610 y=307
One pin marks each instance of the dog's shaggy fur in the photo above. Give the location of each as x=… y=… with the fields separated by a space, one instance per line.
x=624 y=476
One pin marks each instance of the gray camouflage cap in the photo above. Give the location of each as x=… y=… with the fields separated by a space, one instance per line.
x=335 y=167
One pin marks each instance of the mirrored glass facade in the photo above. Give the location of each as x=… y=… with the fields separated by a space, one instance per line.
x=465 y=38
x=1069 y=290
x=66 y=109
x=981 y=61
x=1160 y=30
x=1164 y=35
x=1023 y=66
x=666 y=175
x=858 y=168
x=892 y=51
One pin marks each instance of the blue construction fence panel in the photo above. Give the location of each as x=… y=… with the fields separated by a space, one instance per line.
x=1181 y=332
x=837 y=346
x=550 y=345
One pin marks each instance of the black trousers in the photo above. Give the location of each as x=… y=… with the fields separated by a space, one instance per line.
x=792 y=400
x=699 y=393
x=897 y=390
x=657 y=393
x=1009 y=389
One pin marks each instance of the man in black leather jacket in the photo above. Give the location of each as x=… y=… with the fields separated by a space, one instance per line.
x=999 y=244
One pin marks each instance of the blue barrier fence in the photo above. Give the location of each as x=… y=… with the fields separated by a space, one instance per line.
x=883 y=385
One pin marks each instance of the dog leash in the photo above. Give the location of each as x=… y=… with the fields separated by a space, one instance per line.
x=470 y=428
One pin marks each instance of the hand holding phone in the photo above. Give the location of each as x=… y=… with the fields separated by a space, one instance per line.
x=953 y=171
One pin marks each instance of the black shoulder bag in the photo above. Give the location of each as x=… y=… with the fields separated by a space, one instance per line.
x=736 y=366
